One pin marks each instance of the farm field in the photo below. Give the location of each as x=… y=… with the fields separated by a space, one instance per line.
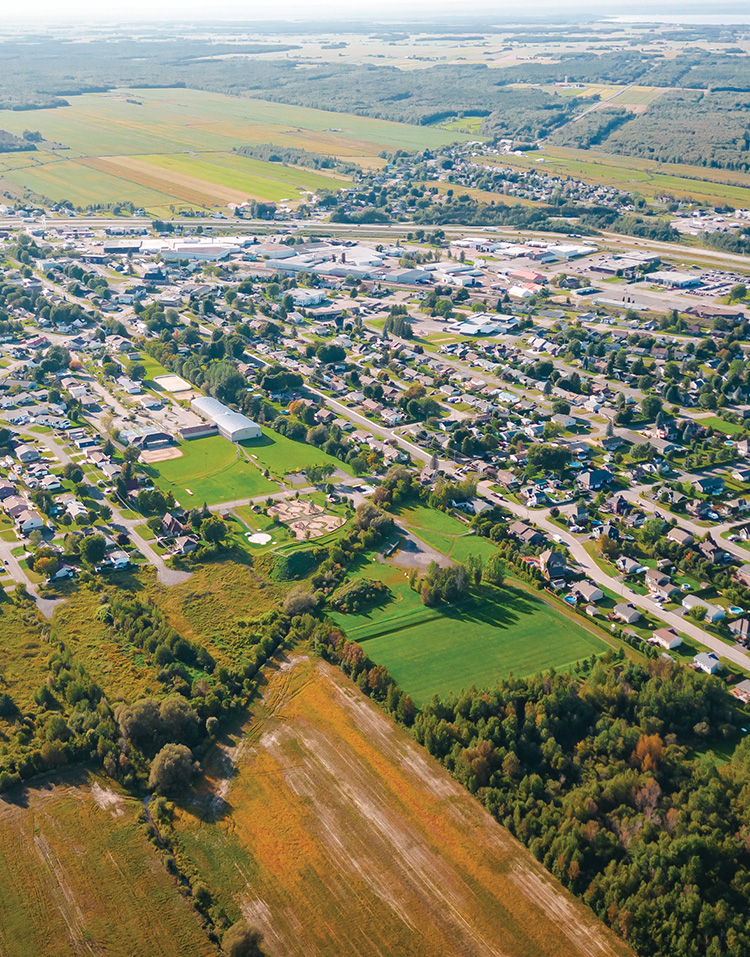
x=79 y=877
x=212 y=471
x=280 y=455
x=643 y=176
x=157 y=147
x=438 y=650
x=336 y=834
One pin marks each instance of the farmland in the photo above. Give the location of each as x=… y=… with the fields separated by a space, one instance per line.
x=79 y=877
x=337 y=835
x=155 y=148
x=646 y=177
x=210 y=470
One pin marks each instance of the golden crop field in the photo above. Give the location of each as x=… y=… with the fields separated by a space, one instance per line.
x=157 y=147
x=333 y=832
x=80 y=878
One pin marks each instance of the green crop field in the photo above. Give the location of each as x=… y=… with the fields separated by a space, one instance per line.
x=280 y=455
x=209 y=470
x=155 y=148
x=437 y=650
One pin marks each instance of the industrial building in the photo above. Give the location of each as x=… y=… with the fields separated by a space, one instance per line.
x=232 y=425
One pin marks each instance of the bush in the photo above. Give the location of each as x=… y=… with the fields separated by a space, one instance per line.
x=242 y=940
x=172 y=769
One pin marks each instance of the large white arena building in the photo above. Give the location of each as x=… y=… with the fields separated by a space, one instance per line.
x=232 y=425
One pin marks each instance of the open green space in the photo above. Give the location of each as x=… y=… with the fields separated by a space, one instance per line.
x=209 y=470
x=489 y=635
x=728 y=428
x=280 y=455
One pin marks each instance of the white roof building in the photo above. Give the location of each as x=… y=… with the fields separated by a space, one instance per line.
x=232 y=425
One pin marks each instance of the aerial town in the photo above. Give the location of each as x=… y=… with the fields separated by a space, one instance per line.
x=374 y=482
x=596 y=402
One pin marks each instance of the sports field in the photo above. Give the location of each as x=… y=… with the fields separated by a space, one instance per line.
x=280 y=455
x=212 y=471
x=158 y=148
x=80 y=878
x=337 y=835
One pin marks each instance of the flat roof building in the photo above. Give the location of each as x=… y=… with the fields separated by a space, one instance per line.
x=232 y=425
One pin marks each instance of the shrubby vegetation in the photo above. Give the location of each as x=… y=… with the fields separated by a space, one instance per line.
x=354 y=596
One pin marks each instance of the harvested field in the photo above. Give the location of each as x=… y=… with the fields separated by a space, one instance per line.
x=81 y=880
x=191 y=189
x=155 y=147
x=332 y=831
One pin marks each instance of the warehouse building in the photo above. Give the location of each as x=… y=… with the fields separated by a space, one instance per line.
x=232 y=425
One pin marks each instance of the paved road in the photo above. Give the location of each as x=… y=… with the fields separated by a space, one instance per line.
x=598 y=575
x=539 y=517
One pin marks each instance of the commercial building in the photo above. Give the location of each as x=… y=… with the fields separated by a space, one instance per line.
x=232 y=425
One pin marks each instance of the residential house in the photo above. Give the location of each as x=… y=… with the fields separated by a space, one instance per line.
x=740 y=629
x=660 y=584
x=707 y=661
x=626 y=613
x=743 y=575
x=525 y=533
x=709 y=484
x=553 y=564
x=609 y=529
x=629 y=565
x=184 y=545
x=741 y=691
x=171 y=526
x=27 y=453
x=592 y=480
x=680 y=535
x=666 y=638
x=28 y=521
x=714 y=613
x=587 y=591
x=711 y=551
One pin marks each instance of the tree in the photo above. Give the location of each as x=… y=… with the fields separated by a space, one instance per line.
x=241 y=940
x=172 y=769
x=651 y=406
x=494 y=570
x=92 y=549
x=214 y=529
x=137 y=371
x=46 y=564
x=547 y=458
x=318 y=473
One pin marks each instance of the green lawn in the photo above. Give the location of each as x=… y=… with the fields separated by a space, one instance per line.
x=434 y=651
x=211 y=470
x=280 y=455
x=728 y=428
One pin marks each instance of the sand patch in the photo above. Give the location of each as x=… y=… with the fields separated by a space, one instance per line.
x=161 y=455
